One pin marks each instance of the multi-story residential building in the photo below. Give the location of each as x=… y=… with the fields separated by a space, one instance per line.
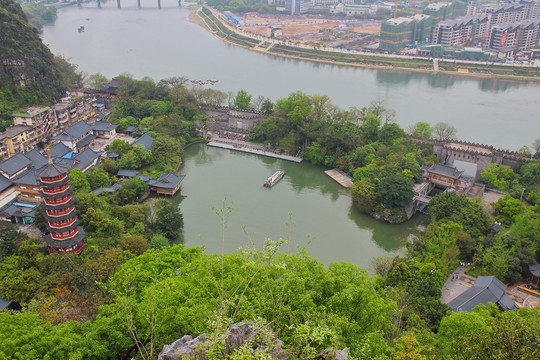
x=42 y=120
x=461 y=31
x=298 y=6
x=508 y=13
x=399 y=32
x=508 y=38
x=472 y=7
x=17 y=138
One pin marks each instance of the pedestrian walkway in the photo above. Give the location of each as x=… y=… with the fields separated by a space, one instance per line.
x=456 y=284
x=251 y=148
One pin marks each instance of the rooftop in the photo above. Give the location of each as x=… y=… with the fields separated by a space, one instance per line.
x=31 y=111
x=445 y=170
x=14 y=131
x=14 y=164
x=146 y=140
x=486 y=289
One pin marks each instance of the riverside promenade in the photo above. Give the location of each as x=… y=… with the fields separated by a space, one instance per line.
x=251 y=148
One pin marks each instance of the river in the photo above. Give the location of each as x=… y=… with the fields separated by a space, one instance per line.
x=306 y=208
x=162 y=43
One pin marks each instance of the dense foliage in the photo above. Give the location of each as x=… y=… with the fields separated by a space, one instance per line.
x=29 y=73
x=39 y=14
x=129 y=293
x=242 y=6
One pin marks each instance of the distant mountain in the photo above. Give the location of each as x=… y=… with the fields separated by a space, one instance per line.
x=29 y=73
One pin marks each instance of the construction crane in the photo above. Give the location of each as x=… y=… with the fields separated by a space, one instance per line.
x=395 y=9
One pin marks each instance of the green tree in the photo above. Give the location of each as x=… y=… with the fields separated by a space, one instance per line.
x=158 y=241
x=242 y=100
x=136 y=244
x=364 y=194
x=444 y=132
x=97 y=81
x=395 y=191
x=498 y=176
x=169 y=220
x=421 y=129
x=98 y=178
x=450 y=206
x=507 y=208
x=79 y=181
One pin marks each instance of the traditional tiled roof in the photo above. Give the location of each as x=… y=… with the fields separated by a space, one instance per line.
x=110 y=189
x=78 y=129
x=52 y=170
x=112 y=155
x=37 y=159
x=103 y=126
x=59 y=150
x=169 y=181
x=4 y=303
x=85 y=158
x=486 y=289
x=535 y=269
x=126 y=173
x=62 y=244
x=131 y=129
x=146 y=140
x=28 y=178
x=144 y=178
x=445 y=170
x=14 y=164
x=4 y=183
x=86 y=141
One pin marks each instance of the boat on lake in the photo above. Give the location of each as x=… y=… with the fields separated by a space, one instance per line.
x=80 y=29
x=272 y=180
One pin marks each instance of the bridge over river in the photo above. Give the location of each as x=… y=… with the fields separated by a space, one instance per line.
x=119 y=5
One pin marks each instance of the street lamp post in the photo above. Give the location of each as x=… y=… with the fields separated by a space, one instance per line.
x=522 y=191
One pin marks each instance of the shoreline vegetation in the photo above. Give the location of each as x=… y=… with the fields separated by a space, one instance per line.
x=213 y=24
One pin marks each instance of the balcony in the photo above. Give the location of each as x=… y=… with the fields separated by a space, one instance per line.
x=55 y=190
x=58 y=213
x=53 y=179
x=64 y=235
x=62 y=224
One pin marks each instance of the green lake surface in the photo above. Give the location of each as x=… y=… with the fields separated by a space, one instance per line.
x=323 y=219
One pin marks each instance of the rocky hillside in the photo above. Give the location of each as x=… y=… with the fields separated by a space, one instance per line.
x=29 y=73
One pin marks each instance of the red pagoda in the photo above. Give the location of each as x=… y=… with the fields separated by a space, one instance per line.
x=65 y=236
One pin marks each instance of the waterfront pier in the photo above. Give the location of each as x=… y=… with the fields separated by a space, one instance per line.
x=251 y=148
x=340 y=177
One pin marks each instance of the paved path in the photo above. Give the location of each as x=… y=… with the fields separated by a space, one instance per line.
x=455 y=285
x=251 y=148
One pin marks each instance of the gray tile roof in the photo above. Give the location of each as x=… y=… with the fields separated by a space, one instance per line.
x=169 y=181
x=87 y=140
x=84 y=158
x=146 y=140
x=14 y=164
x=445 y=170
x=486 y=289
x=535 y=269
x=78 y=129
x=110 y=189
x=131 y=129
x=144 y=178
x=52 y=170
x=37 y=159
x=4 y=303
x=126 y=173
x=103 y=126
x=28 y=178
x=59 y=150
x=4 y=183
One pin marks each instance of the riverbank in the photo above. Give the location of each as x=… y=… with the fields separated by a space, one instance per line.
x=349 y=58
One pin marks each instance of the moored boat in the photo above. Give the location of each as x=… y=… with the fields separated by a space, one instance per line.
x=272 y=180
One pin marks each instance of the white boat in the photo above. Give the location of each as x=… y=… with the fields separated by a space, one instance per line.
x=272 y=180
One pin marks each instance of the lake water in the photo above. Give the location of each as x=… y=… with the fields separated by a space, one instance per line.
x=306 y=208
x=162 y=43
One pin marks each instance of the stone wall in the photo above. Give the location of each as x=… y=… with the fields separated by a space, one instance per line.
x=232 y=119
x=481 y=155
